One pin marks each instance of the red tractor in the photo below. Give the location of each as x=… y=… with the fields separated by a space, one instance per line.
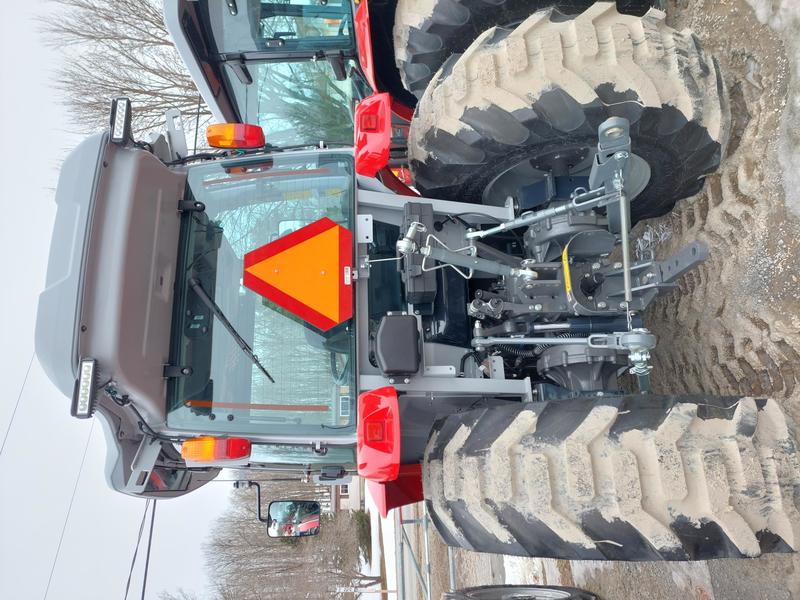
x=477 y=343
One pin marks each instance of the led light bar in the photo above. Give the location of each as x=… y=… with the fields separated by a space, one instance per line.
x=85 y=387
x=120 y=120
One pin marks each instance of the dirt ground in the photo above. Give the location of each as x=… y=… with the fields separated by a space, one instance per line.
x=733 y=326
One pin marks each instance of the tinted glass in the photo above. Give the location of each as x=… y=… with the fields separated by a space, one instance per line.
x=291 y=26
x=250 y=202
x=298 y=102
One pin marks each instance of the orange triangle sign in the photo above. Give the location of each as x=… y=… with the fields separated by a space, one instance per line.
x=308 y=272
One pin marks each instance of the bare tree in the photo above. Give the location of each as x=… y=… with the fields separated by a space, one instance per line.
x=246 y=564
x=181 y=594
x=119 y=48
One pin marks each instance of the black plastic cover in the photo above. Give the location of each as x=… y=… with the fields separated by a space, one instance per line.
x=420 y=285
x=397 y=347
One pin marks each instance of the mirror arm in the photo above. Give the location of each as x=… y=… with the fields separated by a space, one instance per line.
x=258 y=501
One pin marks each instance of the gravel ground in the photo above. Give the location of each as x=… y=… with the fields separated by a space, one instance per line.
x=733 y=327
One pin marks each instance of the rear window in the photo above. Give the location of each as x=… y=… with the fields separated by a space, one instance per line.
x=292 y=26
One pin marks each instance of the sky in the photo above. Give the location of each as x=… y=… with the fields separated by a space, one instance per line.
x=40 y=462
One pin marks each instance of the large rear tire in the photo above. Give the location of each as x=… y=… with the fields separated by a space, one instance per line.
x=519 y=592
x=617 y=478
x=428 y=32
x=539 y=92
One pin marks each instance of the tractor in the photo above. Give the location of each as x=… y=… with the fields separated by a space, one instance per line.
x=477 y=342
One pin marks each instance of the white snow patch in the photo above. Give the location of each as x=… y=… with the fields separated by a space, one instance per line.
x=523 y=571
x=383 y=547
x=784 y=17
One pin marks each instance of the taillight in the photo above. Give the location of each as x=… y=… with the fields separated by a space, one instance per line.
x=235 y=135
x=378 y=434
x=214 y=449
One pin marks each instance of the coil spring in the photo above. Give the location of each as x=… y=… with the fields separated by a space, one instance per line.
x=534 y=352
x=518 y=351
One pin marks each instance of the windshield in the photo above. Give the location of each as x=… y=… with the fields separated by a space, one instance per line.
x=281 y=27
x=299 y=102
x=250 y=202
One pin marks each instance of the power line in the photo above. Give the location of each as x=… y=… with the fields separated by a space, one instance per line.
x=19 y=396
x=69 y=509
x=149 y=543
x=136 y=550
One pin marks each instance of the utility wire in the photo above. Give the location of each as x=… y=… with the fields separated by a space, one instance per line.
x=136 y=549
x=69 y=509
x=149 y=543
x=19 y=396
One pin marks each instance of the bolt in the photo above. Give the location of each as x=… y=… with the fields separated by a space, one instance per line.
x=602 y=305
x=391 y=381
x=416 y=312
x=622 y=305
x=530 y=307
x=537 y=307
x=617 y=265
x=406 y=380
x=595 y=266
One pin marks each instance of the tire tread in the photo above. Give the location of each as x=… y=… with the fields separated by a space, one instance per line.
x=625 y=478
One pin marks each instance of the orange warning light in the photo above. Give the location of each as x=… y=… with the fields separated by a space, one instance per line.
x=235 y=135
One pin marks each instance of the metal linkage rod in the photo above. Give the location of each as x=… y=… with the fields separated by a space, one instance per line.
x=580 y=202
x=625 y=231
x=527 y=341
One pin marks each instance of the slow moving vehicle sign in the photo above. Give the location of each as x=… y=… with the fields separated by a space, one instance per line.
x=308 y=272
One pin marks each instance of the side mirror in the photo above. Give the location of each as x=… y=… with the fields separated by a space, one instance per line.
x=373 y=134
x=293 y=518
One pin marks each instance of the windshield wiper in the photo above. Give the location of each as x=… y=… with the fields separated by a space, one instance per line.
x=197 y=287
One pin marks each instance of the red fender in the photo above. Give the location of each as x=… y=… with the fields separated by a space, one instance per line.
x=373 y=134
x=364 y=43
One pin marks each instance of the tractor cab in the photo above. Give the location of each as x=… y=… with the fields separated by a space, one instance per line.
x=290 y=67
x=297 y=69
x=203 y=309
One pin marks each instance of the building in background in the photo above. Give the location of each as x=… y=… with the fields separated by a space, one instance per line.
x=348 y=496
